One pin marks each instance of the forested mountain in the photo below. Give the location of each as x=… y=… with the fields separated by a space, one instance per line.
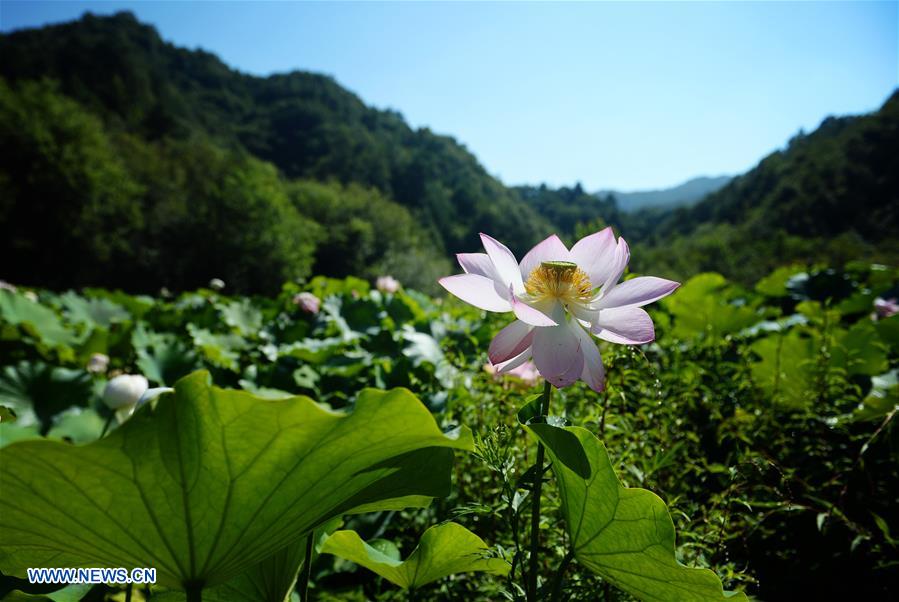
x=688 y=193
x=139 y=91
x=128 y=162
x=829 y=197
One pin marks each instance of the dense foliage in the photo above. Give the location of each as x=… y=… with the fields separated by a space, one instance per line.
x=763 y=417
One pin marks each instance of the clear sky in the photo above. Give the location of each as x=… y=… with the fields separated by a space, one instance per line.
x=614 y=95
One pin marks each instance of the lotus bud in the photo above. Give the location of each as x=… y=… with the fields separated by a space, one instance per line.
x=216 y=284
x=98 y=363
x=123 y=393
x=31 y=296
x=6 y=286
x=387 y=284
x=307 y=302
x=884 y=308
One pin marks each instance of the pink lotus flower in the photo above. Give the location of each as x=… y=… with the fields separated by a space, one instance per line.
x=884 y=308
x=307 y=302
x=387 y=284
x=526 y=372
x=559 y=297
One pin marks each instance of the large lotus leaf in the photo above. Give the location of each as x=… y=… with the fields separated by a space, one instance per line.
x=859 y=350
x=443 y=550
x=162 y=357
x=272 y=580
x=242 y=316
x=220 y=350
x=69 y=593
x=37 y=392
x=207 y=482
x=883 y=398
x=787 y=367
x=625 y=535
x=37 y=320
x=705 y=305
x=93 y=312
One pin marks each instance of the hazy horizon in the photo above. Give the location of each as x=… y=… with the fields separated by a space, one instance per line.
x=631 y=97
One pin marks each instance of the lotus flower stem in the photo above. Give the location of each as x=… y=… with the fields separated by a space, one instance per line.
x=560 y=574
x=194 y=592
x=106 y=426
x=535 y=504
x=307 y=567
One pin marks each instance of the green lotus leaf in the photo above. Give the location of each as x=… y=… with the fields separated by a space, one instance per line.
x=93 y=312
x=37 y=320
x=36 y=392
x=705 y=305
x=206 y=483
x=69 y=593
x=242 y=316
x=443 y=550
x=625 y=535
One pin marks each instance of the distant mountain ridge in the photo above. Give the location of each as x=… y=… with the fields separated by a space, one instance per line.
x=688 y=193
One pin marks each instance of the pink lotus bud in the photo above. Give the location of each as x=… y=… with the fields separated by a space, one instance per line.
x=307 y=302
x=387 y=284
x=884 y=308
x=98 y=363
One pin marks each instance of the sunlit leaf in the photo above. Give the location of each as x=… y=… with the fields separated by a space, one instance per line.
x=207 y=482
x=443 y=550
x=625 y=535
x=705 y=304
x=37 y=320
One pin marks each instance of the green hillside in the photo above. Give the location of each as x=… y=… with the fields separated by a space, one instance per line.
x=830 y=196
x=157 y=109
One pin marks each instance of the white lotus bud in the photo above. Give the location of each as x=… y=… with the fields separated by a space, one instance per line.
x=124 y=391
x=216 y=284
x=31 y=296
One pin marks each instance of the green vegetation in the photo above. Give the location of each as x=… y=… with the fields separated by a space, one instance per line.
x=753 y=445
x=763 y=418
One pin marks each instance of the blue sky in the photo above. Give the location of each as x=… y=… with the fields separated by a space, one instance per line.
x=614 y=95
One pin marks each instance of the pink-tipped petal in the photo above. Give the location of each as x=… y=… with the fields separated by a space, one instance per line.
x=528 y=314
x=513 y=363
x=594 y=373
x=477 y=263
x=595 y=254
x=558 y=355
x=550 y=249
x=510 y=341
x=504 y=262
x=476 y=290
x=626 y=325
x=638 y=292
x=619 y=262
